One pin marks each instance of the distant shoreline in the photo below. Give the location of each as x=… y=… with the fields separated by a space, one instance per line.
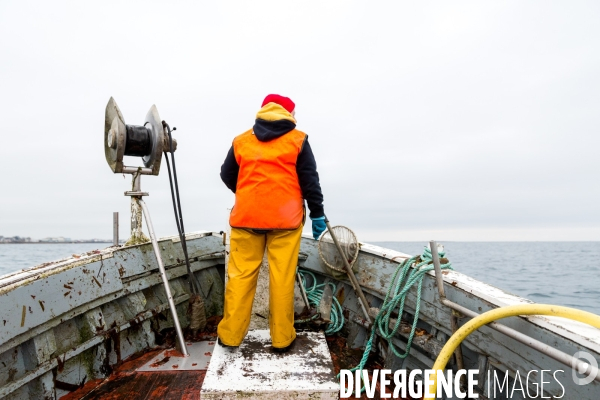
x=108 y=241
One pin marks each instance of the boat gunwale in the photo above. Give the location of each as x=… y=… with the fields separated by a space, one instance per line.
x=129 y=286
x=31 y=274
x=500 y=298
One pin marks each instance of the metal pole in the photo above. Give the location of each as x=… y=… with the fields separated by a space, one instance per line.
x=438 y=269
x=136 y=185
x=458 y=352
x=302 y=291
x=115 y=229
x=361 y=297
x=440 y=284
x=163 y=275
x=137 y=235
x=514 y=334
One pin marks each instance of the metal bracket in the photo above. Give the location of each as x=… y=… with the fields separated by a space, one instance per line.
x=136 y=194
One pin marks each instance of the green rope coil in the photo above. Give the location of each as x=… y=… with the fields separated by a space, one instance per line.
x=407 y=275
x=314 y=293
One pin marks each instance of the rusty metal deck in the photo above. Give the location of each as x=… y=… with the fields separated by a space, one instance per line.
x=126 y=382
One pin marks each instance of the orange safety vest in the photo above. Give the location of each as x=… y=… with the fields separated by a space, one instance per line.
x=268 y=194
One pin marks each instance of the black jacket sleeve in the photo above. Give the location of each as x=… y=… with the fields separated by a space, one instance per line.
x=306 y=168
x=230 y=170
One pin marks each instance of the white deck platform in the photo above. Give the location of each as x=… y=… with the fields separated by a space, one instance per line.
x=254 y=371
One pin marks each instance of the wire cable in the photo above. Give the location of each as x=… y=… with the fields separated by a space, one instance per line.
x=195 y=285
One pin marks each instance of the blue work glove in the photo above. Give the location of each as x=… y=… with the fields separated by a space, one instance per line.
x=318 y=226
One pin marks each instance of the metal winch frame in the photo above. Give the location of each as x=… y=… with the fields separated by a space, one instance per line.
x=147 y=141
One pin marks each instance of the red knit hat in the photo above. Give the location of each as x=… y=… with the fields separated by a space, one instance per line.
x=284 y=102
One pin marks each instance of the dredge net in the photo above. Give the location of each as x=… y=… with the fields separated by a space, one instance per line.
x=330 y=254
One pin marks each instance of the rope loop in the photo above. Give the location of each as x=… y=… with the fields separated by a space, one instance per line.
x=408 y=274
x=314 y=292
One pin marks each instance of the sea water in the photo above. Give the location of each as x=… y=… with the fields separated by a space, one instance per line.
x=563 y=273
x=16 y=256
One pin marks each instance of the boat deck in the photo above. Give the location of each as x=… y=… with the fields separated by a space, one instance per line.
x=126 y=382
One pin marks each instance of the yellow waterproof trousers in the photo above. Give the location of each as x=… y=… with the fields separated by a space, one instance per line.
x=245 y=257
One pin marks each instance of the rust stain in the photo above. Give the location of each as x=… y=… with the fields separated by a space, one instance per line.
x=66 y=294
x=23 y=315
x=88 y=387
x=32 y=296
x=341 y=295
x=160 y=362
x=173 y=353
x=394 y=259
x=67 y=286
x=175 y=366
x=97 y=282
x=61 y=363
x=11 y=374
x=194 y=364
x=42 y=305
x=116 y=339
x=208 y=354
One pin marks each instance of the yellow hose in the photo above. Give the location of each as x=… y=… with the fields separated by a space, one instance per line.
x=503 y=312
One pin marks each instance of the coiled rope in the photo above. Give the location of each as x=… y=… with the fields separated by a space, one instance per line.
x=408 y=274
x=314 y=293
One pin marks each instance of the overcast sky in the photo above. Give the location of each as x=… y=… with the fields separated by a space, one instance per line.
x=429 y=120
